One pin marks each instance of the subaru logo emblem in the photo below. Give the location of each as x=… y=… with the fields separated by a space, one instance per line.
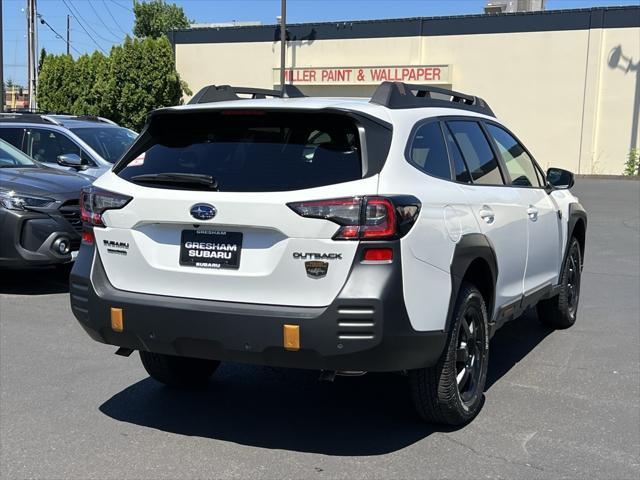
x=203 y=211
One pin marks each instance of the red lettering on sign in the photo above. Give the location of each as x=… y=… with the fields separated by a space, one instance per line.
x=436 y=73
x=428 y=73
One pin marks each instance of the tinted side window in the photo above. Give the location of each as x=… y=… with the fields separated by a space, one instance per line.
x=477 y=153
x=428 y=152
x=45 y=145
x=518 y=162
x=459 y=167
x=12 y=135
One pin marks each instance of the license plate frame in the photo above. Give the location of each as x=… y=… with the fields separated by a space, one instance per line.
x=213 y=249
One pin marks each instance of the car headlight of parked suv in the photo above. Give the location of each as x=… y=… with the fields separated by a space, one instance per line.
x=17 y=201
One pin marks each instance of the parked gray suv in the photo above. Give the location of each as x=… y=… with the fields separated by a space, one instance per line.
x=85 y=144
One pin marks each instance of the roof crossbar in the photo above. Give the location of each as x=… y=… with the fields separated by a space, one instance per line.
x=397 y=95
x=223 y=93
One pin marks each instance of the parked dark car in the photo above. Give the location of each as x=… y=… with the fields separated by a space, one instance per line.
x=39 y=211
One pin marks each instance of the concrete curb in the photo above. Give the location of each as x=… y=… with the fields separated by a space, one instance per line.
x=609 y=177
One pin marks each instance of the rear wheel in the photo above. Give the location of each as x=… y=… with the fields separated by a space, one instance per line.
x=451 y=392
x=178 y=372
x=560 y=311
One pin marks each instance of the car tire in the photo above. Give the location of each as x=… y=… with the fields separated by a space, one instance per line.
x=178 y=372
x=451 y=392
x=560 y=311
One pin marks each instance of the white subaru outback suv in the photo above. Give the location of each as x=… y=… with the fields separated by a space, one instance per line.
x=395 y=233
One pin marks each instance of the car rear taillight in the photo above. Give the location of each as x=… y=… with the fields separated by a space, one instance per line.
x=95 y=201
x=363 y=218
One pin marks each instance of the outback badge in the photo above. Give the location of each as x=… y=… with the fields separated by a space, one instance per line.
x=316 y=269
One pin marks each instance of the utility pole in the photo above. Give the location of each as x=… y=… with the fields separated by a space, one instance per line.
x=1 y=62
x=68 y=30
x=32 y=63
x=283 y=41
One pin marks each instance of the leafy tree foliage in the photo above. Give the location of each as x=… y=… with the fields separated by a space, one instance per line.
x=137 y=77
x=156 y=17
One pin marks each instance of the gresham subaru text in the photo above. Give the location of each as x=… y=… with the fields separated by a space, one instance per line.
x=395 y=233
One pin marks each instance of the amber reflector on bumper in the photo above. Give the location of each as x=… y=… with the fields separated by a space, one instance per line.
x=117 y=323
x=292 y=337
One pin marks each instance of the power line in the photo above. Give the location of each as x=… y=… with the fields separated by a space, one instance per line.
x=112 y=17
x=44 y=22
x=121 y=6
x=89 y=24
x=99 y=17
x=82 y=26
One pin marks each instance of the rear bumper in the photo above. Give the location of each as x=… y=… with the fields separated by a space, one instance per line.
x=28 y=238
x=365 y=328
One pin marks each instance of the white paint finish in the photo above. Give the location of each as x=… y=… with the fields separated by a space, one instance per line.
x=153 y=221
x=267 y=275
x=427 y=290
x=427 y=249
x=544 y=247
x=507 y=234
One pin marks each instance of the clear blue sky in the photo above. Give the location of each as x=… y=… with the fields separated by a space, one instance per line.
x=107 y=21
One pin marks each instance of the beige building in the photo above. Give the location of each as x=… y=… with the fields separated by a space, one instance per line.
x=567 y=82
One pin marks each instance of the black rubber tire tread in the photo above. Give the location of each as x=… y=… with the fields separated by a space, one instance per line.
x=434 y=390
x=554 y=312
x=178 y=372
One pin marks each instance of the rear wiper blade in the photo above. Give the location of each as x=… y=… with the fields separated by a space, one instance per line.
x=177 y=179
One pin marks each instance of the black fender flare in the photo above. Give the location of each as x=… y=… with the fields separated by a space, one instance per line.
x=469 y=248
x=576 y=213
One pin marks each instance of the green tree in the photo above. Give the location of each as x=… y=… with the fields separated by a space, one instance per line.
x=58 y=86
x=43 y=54
x=156 y=17
x=141 y=77
x=90 y=71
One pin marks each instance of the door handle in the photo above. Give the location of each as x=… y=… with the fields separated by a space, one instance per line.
x=487 y=214
x=533 y=213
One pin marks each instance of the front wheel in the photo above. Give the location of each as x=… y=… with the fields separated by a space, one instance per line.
x=451 y=392
x=560 y=311
x=179 y=372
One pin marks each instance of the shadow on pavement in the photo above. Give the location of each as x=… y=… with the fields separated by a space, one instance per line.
x=512 y=343
x=291 y=410
x=35 y=281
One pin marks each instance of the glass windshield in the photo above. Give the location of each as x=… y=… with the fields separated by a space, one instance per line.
x=252 y=151
x=11 y=157
x=108 y=142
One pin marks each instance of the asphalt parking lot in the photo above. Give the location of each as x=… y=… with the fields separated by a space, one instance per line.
x=558 y=404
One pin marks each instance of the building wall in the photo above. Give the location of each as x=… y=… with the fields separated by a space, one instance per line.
x=558 y=90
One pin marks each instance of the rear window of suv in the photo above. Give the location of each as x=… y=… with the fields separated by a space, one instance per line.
x=246 y=150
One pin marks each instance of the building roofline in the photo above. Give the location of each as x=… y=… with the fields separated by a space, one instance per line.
x=542 y=21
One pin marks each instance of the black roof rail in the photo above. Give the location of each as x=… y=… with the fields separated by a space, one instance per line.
x=18 y=117
x=223 y=93
x=405 y=95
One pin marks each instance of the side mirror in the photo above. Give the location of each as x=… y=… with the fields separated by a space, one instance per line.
x=559 y=178
x=71 y=160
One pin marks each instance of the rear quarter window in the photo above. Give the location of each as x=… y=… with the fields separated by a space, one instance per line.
x=253 y=151
x=427 y=151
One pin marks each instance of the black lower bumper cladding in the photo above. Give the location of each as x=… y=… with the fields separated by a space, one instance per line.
x=366 y=328
x=31 y=238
